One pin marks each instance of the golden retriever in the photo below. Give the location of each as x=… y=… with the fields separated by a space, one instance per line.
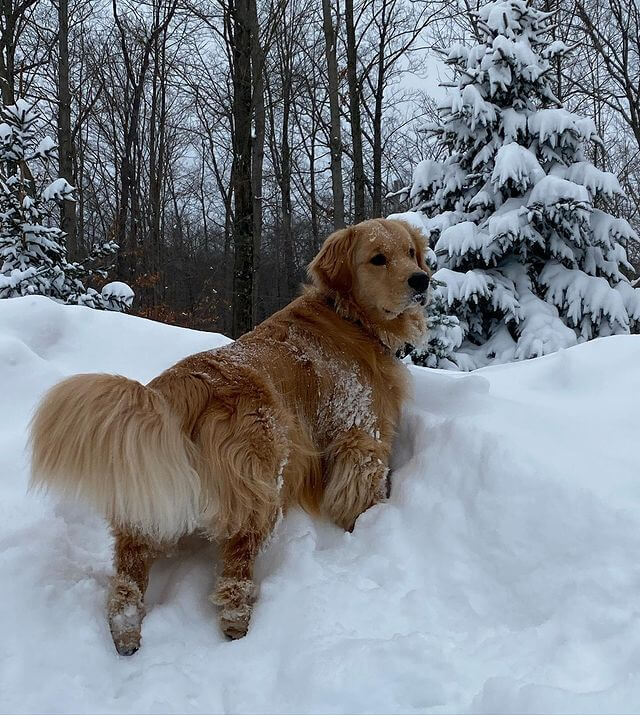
x=301 y=410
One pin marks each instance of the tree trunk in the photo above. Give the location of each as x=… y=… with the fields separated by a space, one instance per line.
x=65 y=142
x=285 y=189
x=257 y=156
x=157 y=151
x=315 y=229
x=354 y=109
x=7 y=52
x=335 y=141
x=377 y=120
x=242 y=144
x=377 y=143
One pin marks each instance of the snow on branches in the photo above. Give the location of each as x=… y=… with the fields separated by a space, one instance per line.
x=529 y=258
x=33 y=257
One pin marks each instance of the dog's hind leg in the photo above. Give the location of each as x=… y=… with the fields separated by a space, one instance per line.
x=244 y=452
x=236 y=592
x=125 y=609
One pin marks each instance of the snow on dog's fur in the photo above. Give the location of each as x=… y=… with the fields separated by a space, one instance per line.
x=301 y=410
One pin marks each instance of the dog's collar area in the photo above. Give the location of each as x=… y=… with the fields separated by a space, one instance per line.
x=330 y=301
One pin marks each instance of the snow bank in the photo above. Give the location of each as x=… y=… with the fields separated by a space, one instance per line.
x=118 y=292
x=503 y=575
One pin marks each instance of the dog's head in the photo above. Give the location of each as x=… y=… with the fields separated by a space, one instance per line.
x=378 y=266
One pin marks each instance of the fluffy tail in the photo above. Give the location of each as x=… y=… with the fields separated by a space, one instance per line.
x=118 y=445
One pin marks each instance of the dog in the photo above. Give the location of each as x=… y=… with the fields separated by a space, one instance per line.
x=302 y=411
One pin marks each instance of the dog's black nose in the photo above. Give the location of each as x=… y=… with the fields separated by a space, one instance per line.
x=419 y=282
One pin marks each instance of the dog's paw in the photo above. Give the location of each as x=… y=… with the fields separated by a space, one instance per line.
x=125 y=611
x=235 y=597
x=126 y=642
x=234 y=623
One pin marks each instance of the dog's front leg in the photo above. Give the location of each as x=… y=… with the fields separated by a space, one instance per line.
x=357 y=467
x=133 y=558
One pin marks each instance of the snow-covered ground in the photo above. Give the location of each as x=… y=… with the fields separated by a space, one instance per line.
x=502 y=576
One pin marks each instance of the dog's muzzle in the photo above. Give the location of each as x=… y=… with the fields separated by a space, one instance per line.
x=420 y=283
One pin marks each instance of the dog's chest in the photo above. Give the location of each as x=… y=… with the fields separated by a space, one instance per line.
x=350 y=396
x=348 y=401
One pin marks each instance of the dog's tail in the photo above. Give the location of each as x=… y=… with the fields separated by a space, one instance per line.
x=118 y=445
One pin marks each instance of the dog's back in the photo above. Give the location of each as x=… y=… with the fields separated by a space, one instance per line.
x=222 y=437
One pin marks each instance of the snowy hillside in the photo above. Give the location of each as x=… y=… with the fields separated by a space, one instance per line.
x=503 y=576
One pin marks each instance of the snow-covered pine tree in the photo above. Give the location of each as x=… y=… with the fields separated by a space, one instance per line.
x=444 y=335
x=529 y=258
x=32 y=249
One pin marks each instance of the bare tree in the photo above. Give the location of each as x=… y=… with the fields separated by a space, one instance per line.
x=613 y=27
x=355 y=94
x=15 y=20
x=240 y=15
x=136 y=44
x=335 y=141
x=65 y=140
x=395 y=27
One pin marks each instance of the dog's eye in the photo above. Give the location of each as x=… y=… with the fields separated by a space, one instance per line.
x=378 y=260
x=412 y=253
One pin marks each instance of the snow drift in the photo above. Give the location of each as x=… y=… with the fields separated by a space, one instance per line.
x=502 y=576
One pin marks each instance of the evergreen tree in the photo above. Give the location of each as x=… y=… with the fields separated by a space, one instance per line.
x=529 y=259
x=32 y=248
x=444 y=335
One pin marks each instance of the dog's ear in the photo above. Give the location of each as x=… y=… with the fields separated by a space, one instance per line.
x=332 y=268
x=420 y=244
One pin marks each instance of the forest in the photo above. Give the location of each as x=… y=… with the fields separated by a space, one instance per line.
x=218 y=143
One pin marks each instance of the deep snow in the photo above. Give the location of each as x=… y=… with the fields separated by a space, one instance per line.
x=502 y=576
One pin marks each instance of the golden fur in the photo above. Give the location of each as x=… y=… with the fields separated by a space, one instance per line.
x=301 y=410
